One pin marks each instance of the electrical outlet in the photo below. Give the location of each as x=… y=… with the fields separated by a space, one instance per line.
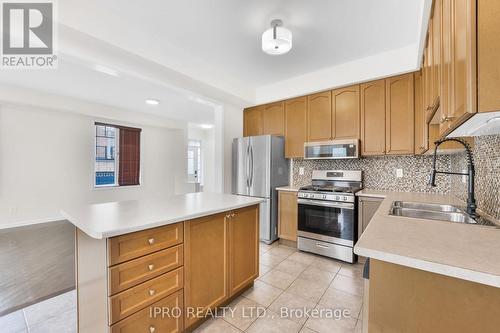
x=399 y=173
x=301 y=171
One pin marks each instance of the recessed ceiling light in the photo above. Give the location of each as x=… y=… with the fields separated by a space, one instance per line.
x=276 y=40
x=151 y=101
x=206 y=126
x=106 y=70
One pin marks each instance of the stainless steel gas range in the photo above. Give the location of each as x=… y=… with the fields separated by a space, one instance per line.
x=327 y=214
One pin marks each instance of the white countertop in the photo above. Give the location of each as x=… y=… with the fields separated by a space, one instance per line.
x=288 y=188
x=116 y=218
x=468 y=252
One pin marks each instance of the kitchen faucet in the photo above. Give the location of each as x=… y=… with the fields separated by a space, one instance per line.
x=471 y=201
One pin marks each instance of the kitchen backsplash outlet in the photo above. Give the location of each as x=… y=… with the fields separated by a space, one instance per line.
x=486 y=153
x=379 y=172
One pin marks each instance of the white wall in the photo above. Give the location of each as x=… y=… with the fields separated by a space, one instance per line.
x=46 y=160
x=233 y=128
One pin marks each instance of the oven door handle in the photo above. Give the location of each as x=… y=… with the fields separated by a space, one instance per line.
x=325 y=204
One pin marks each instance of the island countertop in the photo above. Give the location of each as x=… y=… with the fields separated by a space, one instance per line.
x=110 y=219
x=468 y=252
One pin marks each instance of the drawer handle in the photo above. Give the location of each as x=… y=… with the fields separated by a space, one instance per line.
x=152 y=329
x=151 y=241
x=322 y=246
x=151 y=267
x=152 y=292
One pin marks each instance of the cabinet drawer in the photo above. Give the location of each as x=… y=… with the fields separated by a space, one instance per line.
x=150 y=320
x=137 y=298
x=131 y=273
x=137 y=244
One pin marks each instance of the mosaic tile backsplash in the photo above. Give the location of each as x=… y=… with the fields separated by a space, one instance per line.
x=486 y=153
x=380 y=172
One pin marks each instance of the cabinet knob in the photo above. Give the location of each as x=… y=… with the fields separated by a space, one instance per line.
x=151 y=267
x=152 y=329
x=152 y=292
x=151 y=241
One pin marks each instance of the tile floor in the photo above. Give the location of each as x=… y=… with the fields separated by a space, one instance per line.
x=292 y=283
x=54 y=315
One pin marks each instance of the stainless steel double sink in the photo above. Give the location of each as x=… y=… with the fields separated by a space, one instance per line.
x=430 y=211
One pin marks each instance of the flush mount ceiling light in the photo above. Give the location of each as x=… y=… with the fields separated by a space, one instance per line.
x=276 y=40
x=151 y=101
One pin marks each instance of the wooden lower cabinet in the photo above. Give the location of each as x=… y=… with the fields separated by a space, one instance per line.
x=367 y=206
x=164 y=316
x=287 y=215
x=243 y=248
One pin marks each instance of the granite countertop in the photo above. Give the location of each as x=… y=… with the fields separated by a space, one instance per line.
x=468 y=252
x=288 y=188
x=116 y=218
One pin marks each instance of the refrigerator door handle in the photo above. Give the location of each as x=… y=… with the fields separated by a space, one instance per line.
x=247 y=167
x=251 y=165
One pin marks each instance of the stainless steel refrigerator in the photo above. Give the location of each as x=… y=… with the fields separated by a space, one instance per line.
x=259 y=166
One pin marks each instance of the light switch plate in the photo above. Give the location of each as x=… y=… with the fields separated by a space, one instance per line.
x=399 y=173
x=301 y=171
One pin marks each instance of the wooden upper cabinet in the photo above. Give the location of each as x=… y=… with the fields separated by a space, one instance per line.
x=295 y=127
x=488 y=32
x=253 y=121
x=319 y=117
x=273 y=118
x=205 y=263
x=287 y=215
x=373 y=118
x=243 y=248
x=345 y=113
x=436 y=53
x=430 y=68
x=421 y=142
x=399 y=115
x=446 y=105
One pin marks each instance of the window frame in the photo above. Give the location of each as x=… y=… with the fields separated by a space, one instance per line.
x=117 y=158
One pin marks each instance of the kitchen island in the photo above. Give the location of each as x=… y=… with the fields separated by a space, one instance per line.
x=160 y=264
x=428 y=275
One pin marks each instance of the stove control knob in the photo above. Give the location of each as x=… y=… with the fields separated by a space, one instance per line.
x=337 y=198
x=345 y=198
x=324 y=196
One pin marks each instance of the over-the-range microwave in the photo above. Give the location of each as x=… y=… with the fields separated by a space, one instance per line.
x=329 y=150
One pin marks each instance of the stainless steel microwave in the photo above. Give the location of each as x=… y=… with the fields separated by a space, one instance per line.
x=330 y=150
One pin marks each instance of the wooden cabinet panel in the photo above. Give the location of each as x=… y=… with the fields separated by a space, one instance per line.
x=373 y=118
x=446 y=64
x=133 y=272
x=168 y=321
x=205 y=263
x=139 y=297
x=253 y=121
x=488 y=32
x=295 y=127
x=136 y=244
x=436 y=52
x=421 y=134
x=287 y=215
x=243 y=248
x=399 y=115
x=366 y=209
x=319 y=117
x=345 y=113
x=273 y=118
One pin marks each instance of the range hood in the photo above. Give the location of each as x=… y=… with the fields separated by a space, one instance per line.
x=481 y=123
x=331 y=150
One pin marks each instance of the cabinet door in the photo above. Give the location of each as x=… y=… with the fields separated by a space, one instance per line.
x=319 y=117
x=243 y=248
x=253 y=122
x=488 y=50
x=287 y=215
x=295 y=127
x=373 y=118
x=205 y=263
x=464 y=60
x=345 y=113
x=446 y=104
x=399 y=115
x=273 y=118
x=430 y=67
x=436 y=52
x=421 y=135
x=366 y=209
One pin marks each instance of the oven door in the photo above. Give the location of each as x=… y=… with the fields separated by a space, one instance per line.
x=333 y=222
